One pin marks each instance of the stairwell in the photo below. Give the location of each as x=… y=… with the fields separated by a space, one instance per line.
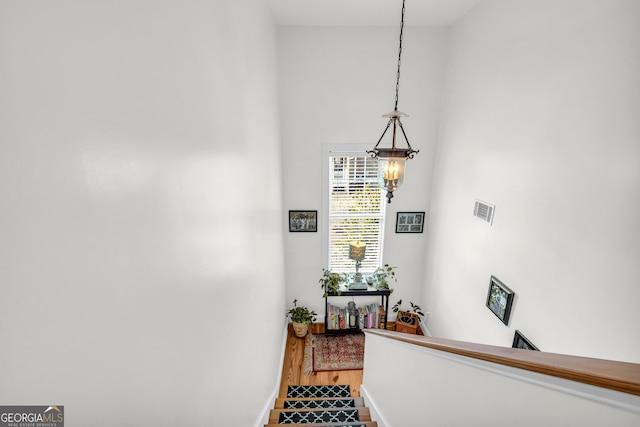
x=320 y=405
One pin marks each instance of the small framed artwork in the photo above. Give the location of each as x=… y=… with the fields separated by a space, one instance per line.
x=409 y=222
x=303 y=221
x=500 y=299
x=520 y=341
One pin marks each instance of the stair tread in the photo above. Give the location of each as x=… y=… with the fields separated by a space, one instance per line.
x=336 y=390
x=319 y=415
x=319 y=398
x=359 y=409
x=351 y=424
x=319 y=402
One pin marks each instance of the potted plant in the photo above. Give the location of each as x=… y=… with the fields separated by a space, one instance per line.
x=407 y=320
x=382 y=276
x=300 y=318
x=330 y=282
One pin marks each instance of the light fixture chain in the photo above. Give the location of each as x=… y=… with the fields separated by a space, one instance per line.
x=391 y=161
x=399 y=57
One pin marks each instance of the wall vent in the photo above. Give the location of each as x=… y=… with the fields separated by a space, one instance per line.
x=484 y=211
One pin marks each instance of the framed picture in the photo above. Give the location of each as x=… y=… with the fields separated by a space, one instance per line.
x=303 y=221
x=500 y=299
x=520 y=341
x=410 y=222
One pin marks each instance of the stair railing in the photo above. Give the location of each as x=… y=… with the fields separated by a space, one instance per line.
x=614 y=375
x=410 y=380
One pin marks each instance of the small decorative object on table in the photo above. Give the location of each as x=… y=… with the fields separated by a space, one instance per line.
x=407 y=321
x=300 y=318
x=353 y=315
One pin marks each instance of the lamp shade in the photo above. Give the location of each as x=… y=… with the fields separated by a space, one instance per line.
x=357 y=250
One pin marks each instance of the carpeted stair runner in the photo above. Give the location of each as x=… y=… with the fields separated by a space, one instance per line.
x=318 y=391
x=319 y=406
x=311 y=403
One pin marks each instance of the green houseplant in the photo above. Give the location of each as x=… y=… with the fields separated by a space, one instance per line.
x=330 y=282
x=383 y=276
x=407 y=320
x=301 y=317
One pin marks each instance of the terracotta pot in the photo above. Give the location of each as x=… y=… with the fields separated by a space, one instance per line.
x=300 y=329
x=407 y=322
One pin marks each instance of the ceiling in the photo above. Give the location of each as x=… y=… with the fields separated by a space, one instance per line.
x=369 y=12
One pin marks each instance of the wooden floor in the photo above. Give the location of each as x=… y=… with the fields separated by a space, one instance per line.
x=294 y=367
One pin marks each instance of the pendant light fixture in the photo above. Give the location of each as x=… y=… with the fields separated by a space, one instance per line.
x=391 y=160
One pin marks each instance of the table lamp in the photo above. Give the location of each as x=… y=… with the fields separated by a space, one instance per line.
x=356 y=253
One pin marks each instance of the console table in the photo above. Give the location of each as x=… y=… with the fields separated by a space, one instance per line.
x=345 y=292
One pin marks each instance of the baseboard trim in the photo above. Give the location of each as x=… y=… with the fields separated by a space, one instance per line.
x=373 y=407
x=266 y=409
x=268 y=406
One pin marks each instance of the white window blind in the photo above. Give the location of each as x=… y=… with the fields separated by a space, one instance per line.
x=356 y=211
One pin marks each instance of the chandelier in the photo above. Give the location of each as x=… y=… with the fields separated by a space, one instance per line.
x=391 y=160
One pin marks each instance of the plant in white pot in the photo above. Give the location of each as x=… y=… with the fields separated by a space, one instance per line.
x=301 y=317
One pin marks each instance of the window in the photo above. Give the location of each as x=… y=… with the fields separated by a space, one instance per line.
x=355 y=208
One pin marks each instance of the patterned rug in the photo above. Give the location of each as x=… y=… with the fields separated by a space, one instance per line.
x=334 y=352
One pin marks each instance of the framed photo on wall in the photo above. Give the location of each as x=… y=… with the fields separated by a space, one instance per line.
x=303 y=221
x=520 y=341
x=409 y=222
x=500 y=299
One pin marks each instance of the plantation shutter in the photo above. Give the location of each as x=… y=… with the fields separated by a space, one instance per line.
x=356 y=212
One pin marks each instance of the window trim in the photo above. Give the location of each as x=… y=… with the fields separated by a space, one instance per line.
x=329 y=150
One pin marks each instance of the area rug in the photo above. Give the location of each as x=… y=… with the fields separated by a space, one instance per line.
x=334 y=352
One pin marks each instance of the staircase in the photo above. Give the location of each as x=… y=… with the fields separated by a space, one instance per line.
x=320 y=405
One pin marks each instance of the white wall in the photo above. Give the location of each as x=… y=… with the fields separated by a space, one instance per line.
x=541 y=119
x=133 y=277
x=335 y=84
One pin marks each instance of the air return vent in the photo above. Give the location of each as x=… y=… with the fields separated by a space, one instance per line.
x=484 y=211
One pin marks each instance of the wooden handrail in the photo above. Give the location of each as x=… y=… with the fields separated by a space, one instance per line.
x=614 y=375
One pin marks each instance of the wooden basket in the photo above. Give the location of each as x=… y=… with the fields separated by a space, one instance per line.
x=407 y=322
